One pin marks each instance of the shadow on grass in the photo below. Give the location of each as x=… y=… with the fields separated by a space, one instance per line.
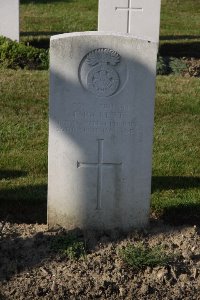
x=178 y=37
x=40 y=42
x=40 y=33
x=11 y=174
x=23 y=253
x=182 y=213
x=43 y=1
x=26 y=204
x=184 y=49
x=41 y=39
x=160 y=183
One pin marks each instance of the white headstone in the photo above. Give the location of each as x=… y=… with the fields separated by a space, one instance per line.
x=140 y=18
x=102 y=90
x=9 y=19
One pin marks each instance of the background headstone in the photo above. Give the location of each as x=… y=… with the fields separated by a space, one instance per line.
x=102 y=90
x=9 y=19
x=140 y=18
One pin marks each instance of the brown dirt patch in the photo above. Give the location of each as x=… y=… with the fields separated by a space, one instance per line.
x=30 y=269
x=193 y=67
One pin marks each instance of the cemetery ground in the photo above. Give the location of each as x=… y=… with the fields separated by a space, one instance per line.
x=32 y=269
x=179 y=32
x=38 y=263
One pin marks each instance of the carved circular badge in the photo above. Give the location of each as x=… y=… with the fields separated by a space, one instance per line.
x=102 y=78
x=103 y=81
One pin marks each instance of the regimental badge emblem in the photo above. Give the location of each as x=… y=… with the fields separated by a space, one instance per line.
x=103 y=79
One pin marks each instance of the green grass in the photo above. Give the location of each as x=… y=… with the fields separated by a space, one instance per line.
x=23 y=146
x=140 y=256
x=179 y=32
x=58 y=16
x=41 y=19
x=176 y=168
x=68 y=245
x=180 y=19
x=179 y=28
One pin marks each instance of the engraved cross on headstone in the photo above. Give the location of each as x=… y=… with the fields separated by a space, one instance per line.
x=99 y=166
x=129 y=9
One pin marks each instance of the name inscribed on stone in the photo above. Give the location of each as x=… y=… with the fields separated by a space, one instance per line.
x=101 y=121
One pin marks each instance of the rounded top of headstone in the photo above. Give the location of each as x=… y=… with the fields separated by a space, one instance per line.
x=98 y=33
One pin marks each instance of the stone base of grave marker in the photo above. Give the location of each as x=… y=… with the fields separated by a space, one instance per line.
x=102 y=90
x=9 y=19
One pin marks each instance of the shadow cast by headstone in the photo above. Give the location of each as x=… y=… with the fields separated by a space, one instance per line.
x=3 y=297
x=23 y=253
x=19 y=254
x=180 y=49
x=40 y=42
x=41 y=39
x=11 y=174
x=183 y=214
x=39 y=33
x=44 y=1
x=178 y=37
x=27 y=204
x=160 y=183
x=180 y=213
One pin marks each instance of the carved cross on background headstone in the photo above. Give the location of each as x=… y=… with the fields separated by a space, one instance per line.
x=140 y=18
x=129 y=10
x=99 y=165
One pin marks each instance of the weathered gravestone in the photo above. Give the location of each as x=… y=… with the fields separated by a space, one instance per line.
x=140 y=18
x=102 y=90
x=9 y=19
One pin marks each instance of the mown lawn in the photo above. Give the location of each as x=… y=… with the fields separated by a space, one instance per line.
x=179 y=33
x=179 y=29
x=24 y=114
x=40 y=19
x=176 y=163
x=180 y=19
x=23 y=146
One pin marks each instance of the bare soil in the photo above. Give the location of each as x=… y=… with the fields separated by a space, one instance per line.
x=30 y=269
x=193 y=67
